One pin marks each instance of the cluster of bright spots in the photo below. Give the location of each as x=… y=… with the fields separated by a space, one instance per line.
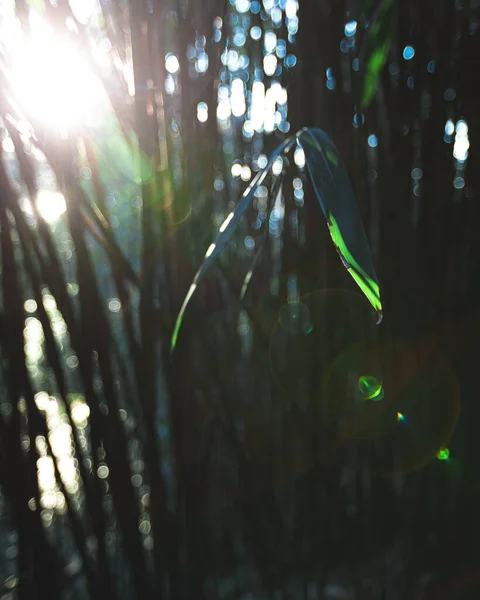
x=348 y=42
x=172 y=66
x=270 y=60
x=242 y=171
x=53 y=80
x=202 y=112
x=61 y=443
x=298 y=193
x=224 y=106
x=137 y=467
x=34 y=335
x=197 y=57
x=275 y=51
x=291 y=8
x=244 y=92
x=257 y=109
x=458 y=133
x=237 y=98
x=33 y=344
x=234 y=61
x=331 y=81
x=274 y=111
x=272 y=9
x=370 y=388
x=217 y=29
x=462 y=143
x=57 y=322
x=267 y=109
x=299 y=157
x=49 y=203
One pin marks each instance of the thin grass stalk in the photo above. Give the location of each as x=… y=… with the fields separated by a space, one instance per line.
x=93 y=496
x=36 y=422
x=53 y=277
x=144 y=39
x=98 y=335
x=12 y=343
x=80 y=343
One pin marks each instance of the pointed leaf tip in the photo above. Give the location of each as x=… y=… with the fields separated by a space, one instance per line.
x=335 y=195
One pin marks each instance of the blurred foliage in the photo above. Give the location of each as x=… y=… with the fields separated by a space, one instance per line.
x=335 y=196
x=377 y=43
x=255 y=461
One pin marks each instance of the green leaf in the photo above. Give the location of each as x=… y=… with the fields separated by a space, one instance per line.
x=373 y=70
x=225 y=232
x=335 y=194
x=376 y=47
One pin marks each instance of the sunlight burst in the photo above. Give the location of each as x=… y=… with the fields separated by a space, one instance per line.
x=51 y=205
x=53 y=81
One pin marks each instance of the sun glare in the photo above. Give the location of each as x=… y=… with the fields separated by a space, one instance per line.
x=53 y=81
x=51 y=205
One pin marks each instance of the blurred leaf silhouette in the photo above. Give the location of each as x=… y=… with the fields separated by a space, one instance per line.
x=376 y=46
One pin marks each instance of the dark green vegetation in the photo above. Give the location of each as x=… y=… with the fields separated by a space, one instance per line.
x=287 y=447
x=335 y=196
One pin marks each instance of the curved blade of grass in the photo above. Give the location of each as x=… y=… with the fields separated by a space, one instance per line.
x=335 y=194
x=276 y=189
x=225 y=232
